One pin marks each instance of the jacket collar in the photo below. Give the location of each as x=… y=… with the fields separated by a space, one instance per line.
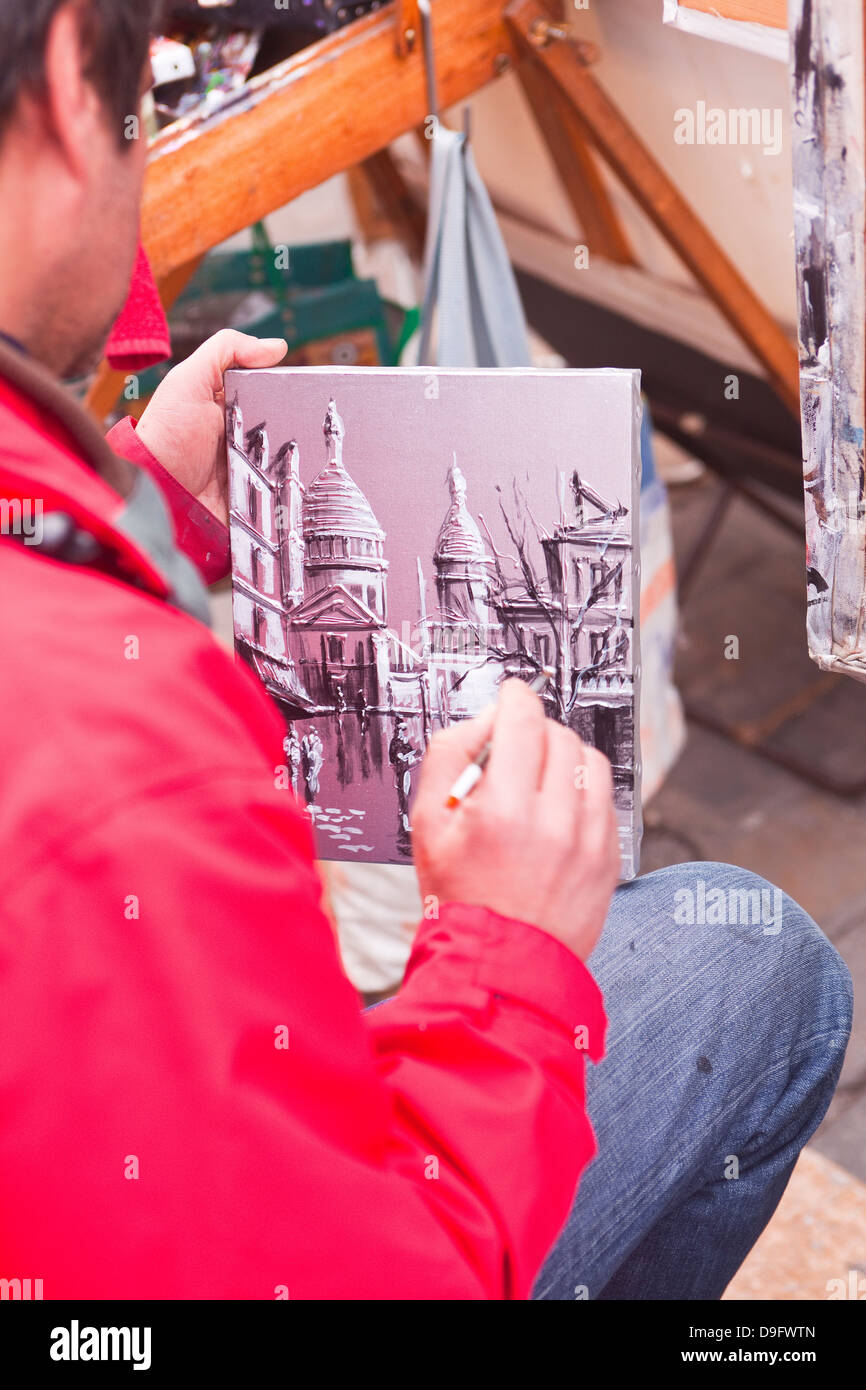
x=54 y=455
x=61 y=418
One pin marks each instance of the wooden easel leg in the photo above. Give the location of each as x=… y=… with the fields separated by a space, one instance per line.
x=395 y=200
x=660 y=199
x=575 y=163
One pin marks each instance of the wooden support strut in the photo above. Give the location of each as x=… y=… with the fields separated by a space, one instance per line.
x=658 y=196
x=575 y=163
x=396 y=200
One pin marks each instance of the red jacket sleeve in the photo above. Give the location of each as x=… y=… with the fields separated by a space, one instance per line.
x=230 y=1124
x=483 y=1052
x=198 y=533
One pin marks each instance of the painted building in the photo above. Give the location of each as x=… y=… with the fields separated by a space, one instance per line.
x=346 y=654
x=460 y=641
x=583 y=625
x=310 y=592
x=267 y=552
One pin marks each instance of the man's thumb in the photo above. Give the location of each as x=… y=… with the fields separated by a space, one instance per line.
x=229 y=348
x=257 y=352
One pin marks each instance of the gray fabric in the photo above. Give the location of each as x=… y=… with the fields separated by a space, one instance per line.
x=471 y=304
x=145 y=519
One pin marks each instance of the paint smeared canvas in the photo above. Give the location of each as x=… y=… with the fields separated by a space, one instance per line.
x=404 y=540
x=827 y=86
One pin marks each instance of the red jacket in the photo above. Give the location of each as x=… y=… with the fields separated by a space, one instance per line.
x=161 y=940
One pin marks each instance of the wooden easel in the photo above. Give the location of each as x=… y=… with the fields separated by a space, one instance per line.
x=341 y=102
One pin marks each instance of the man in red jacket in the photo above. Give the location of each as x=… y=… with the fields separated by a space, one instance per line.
x=192 y=1103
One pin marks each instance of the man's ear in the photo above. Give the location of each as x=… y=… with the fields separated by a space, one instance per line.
x=73 y=110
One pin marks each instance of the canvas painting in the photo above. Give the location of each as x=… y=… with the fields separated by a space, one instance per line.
x=829 y=164
x=404 y=540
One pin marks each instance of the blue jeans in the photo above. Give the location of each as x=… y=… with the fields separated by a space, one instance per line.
x=729 y=1015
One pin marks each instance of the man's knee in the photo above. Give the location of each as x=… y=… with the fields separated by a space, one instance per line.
x=701 y=916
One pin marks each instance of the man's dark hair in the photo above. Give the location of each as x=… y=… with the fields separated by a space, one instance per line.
x=115 y=38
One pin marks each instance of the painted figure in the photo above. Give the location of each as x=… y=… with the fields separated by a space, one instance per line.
x=292 y=751
x=313 y=757
x=363 y=711
x=402 y=756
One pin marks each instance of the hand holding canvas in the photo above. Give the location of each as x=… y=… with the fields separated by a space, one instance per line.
x=536 y=840
x=184 y=425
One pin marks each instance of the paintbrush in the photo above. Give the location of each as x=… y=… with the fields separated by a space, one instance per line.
x=471 y=774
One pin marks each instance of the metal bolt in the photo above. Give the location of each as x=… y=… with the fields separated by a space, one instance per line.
x=542 y=32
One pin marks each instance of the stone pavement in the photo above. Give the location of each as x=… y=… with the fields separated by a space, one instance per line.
x=814 y=1246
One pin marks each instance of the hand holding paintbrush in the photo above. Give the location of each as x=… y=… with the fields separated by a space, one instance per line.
x=471 y=775
x=535 y=838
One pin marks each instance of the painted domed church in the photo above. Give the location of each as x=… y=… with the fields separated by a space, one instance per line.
x=344 y=564
x=338 y=633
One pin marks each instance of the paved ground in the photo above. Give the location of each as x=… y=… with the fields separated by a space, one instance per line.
x=724 y=802
x=813 y=1247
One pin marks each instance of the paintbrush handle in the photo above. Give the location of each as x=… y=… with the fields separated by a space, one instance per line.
x=469 y=778
x=471 y=775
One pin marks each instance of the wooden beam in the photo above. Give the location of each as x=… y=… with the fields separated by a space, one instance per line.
x=661 y=200
x=565 y=137
x=771 y=12
x=324 y=110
